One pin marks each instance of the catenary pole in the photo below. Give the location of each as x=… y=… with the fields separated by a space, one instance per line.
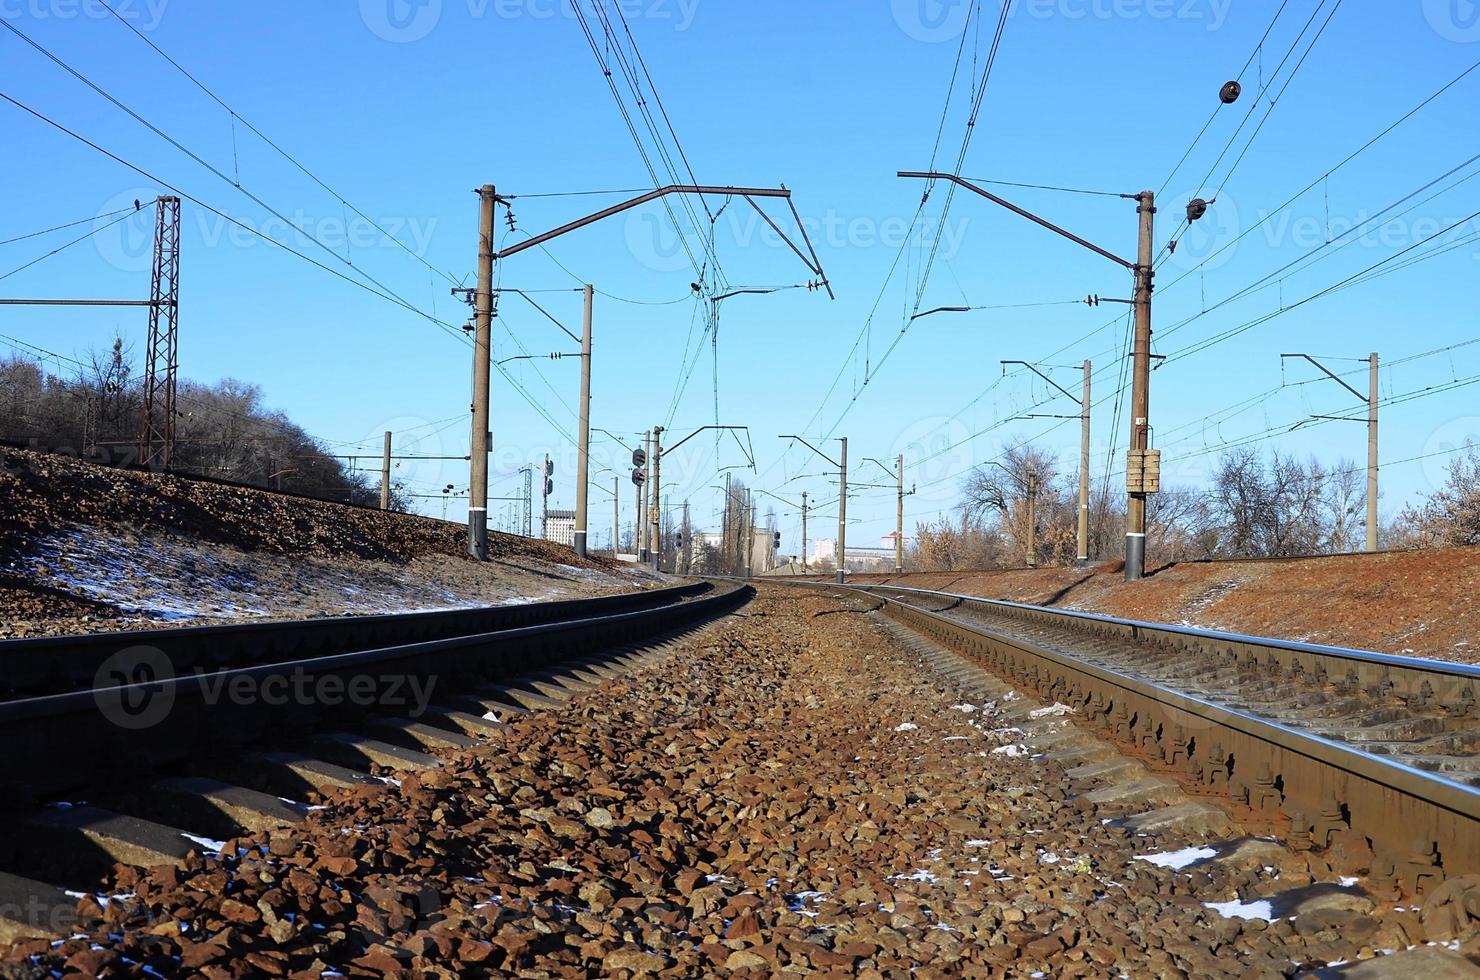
x=1135 y=516
x=385 y=475
x=482 y=355
x=1372 y=453
x=1083 y=534
x=583 y=437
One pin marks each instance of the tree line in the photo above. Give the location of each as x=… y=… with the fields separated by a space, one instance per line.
x=222 y=431
x=1023 y=510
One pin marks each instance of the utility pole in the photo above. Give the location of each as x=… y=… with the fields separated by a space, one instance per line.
x=616 y=516
x=688 y=541
x=1135 y=516
x=1372 y=453
x=804 y=532
x=899 y=522
x=1032 y=507
x=725 y=531
x=1083 y=402
x=482 y=355
x=1143 y=465
x=843 y=512
x=1083 y=534
x=842 y=464
x=162 y=356
x=545 y=488
x=583 y=436
x=639 y=529
x=750 y=536
x=385 y=475
x=1371 y=398
x=656 y=516
x=527 y=516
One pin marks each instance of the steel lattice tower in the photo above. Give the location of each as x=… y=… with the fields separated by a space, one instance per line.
x=162 y=354
x=528 y=521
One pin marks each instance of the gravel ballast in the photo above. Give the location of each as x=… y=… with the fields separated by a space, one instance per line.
x=791 y=792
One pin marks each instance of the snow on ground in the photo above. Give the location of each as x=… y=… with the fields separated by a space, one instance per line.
x=1177 y=860
x=163 y=578
x=1236 y=909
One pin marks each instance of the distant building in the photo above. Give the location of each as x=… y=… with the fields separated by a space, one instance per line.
x=560 y=527
x=762 y=555
x=860 y=559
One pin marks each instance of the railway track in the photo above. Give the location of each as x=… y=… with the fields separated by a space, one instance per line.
x=222 y=731
x=58 y=664
x=1374 y=756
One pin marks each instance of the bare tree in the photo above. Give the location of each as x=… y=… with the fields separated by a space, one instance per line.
x=222 y=431
x=1022 y=492
x=1269 y=510
x=1345 y=505
x=1452 y=515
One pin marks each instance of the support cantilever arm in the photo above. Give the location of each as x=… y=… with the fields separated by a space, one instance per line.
x=702 y=428
x=814 y=449
x=1360 y=397
x=1025 y=213
x=1073 y=398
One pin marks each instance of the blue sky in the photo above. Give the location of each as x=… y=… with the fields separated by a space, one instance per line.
x=404 y=109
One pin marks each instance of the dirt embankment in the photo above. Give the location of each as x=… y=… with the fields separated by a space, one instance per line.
x=85 y=547
x=1418 y=603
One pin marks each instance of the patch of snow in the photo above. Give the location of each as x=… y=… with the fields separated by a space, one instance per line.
x=906 y=726
x=919 y=875
x=954 y=738
x=1177 y=860
x=966 y=708
x=1348 y=880
x=215 y=846
x=1057 y=708
x=979 y=842
x=1236 y=909
x=1011 y=751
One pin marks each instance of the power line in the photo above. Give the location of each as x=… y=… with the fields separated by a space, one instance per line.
x=70 y=224
x=1238 y=78
x=375 y=290
x=1045 y=187
x=237 y=117
x=68 y=245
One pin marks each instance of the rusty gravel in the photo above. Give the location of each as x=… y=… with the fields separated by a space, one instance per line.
x=791 y=793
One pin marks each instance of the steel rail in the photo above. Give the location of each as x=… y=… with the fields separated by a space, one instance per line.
x=57 y=664
x=1147 y=629
x=1416 y=823
x=64 y=741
